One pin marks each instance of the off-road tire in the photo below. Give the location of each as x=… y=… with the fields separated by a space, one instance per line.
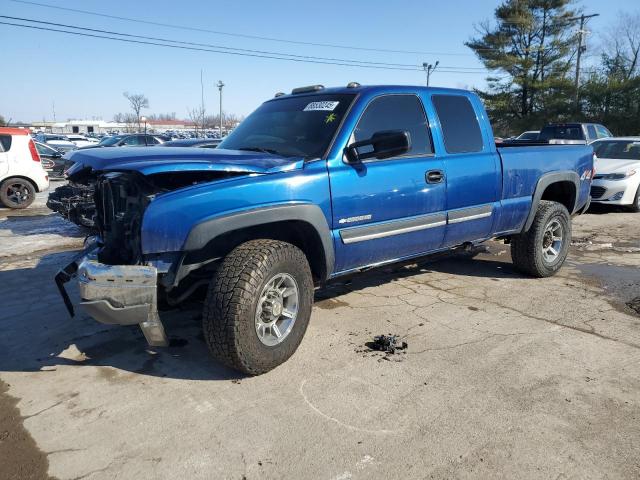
x=229 y=310
x=526 y=248
x=4 y=197
x=635 y=206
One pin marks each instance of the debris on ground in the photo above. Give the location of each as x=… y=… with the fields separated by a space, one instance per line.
x=634 y=305
x=387 y=343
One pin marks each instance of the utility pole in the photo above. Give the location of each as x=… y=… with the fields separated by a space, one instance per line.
x=429 y=69
x=201 y=104
x=581 y=47
x=220 y=85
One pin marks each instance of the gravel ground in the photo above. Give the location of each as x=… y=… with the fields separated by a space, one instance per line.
x=504 y=376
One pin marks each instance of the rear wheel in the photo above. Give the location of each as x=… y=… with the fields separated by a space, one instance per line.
x=542 y=250
x=635 y=207
x=258 y=306
x=17 y=193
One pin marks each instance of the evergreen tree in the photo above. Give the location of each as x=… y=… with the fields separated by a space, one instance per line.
x=530 y=50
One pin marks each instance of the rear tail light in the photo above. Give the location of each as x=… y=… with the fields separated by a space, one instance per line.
x=34 y=152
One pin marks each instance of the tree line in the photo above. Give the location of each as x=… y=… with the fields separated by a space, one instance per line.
x=531 y=49
x=197 y=116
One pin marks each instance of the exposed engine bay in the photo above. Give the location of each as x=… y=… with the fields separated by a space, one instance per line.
x=119 y=198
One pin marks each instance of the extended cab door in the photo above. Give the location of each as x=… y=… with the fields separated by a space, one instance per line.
x=392 y=208
x=472 y=164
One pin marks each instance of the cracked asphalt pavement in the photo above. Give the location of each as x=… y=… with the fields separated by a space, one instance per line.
x=504 y=376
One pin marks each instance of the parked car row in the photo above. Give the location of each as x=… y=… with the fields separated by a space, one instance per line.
x=75 y=202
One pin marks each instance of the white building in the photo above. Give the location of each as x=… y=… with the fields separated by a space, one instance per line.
x=78 y=126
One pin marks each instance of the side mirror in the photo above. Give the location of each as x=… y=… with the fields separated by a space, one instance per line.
x=381 y=145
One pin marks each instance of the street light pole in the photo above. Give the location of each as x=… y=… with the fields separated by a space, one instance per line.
x=220 y=85
x=429 y=69
x=144 y=119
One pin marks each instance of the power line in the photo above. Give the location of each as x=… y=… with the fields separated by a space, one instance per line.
x=232 y=34
x=181 y=42
x=139 y=39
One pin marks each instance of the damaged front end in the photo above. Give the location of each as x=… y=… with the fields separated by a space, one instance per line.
x=117 y=284
x=74 y=201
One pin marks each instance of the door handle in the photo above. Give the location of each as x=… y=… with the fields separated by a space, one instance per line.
x=434 y=176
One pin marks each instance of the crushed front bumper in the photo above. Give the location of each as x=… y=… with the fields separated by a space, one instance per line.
x=116 y=294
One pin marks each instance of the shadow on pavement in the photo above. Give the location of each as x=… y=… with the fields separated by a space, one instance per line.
x=454 y=263
x=600 y=208
x=38 y=333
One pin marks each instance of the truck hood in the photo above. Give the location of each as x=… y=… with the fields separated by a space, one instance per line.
x=152 y=160
x=611 y=165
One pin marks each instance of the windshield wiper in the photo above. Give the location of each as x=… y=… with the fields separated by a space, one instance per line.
x=261 y=150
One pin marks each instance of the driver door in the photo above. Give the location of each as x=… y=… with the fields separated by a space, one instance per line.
x=393 y=208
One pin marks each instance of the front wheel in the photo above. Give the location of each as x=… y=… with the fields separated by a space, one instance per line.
x=542 y=250
x=258 y=306
x=17 y=193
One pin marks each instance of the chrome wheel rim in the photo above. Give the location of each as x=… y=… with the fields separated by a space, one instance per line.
x=18 y=193
x=552 y=241
x=277 y=309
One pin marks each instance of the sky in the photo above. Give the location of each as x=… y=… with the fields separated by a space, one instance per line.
x=84 y=78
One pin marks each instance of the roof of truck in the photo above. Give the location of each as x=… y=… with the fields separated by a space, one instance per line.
x=370 y=88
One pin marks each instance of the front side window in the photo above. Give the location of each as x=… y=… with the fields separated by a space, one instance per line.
x=396 y=112
x=460 y=127
x=603 y=132
x=293 y=126
x=133 y=140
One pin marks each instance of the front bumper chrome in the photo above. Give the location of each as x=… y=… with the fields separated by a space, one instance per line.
x=118 y=295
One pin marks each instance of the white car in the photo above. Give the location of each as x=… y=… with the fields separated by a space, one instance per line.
x=21 y=171
x=617 y=178
x=81 y=141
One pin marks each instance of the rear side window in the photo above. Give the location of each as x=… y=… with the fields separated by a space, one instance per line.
x=460 y=127
x=396 y=112
x=562 y=132
x=591 y=131
x=5 y=143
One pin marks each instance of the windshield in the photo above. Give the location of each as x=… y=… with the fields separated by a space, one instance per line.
x=619 y=149
x=111 y=140
x=292 y=127
x=528 y=136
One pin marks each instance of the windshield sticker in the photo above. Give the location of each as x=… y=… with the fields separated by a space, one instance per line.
x=321 y=106
x=330 y=118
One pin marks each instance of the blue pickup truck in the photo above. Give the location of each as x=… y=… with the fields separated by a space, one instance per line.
x=314 y=185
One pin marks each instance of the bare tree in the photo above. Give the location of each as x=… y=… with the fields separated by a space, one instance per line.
x=199 y=117
x=622 y=44
x=137 y=101
x=128 y=119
